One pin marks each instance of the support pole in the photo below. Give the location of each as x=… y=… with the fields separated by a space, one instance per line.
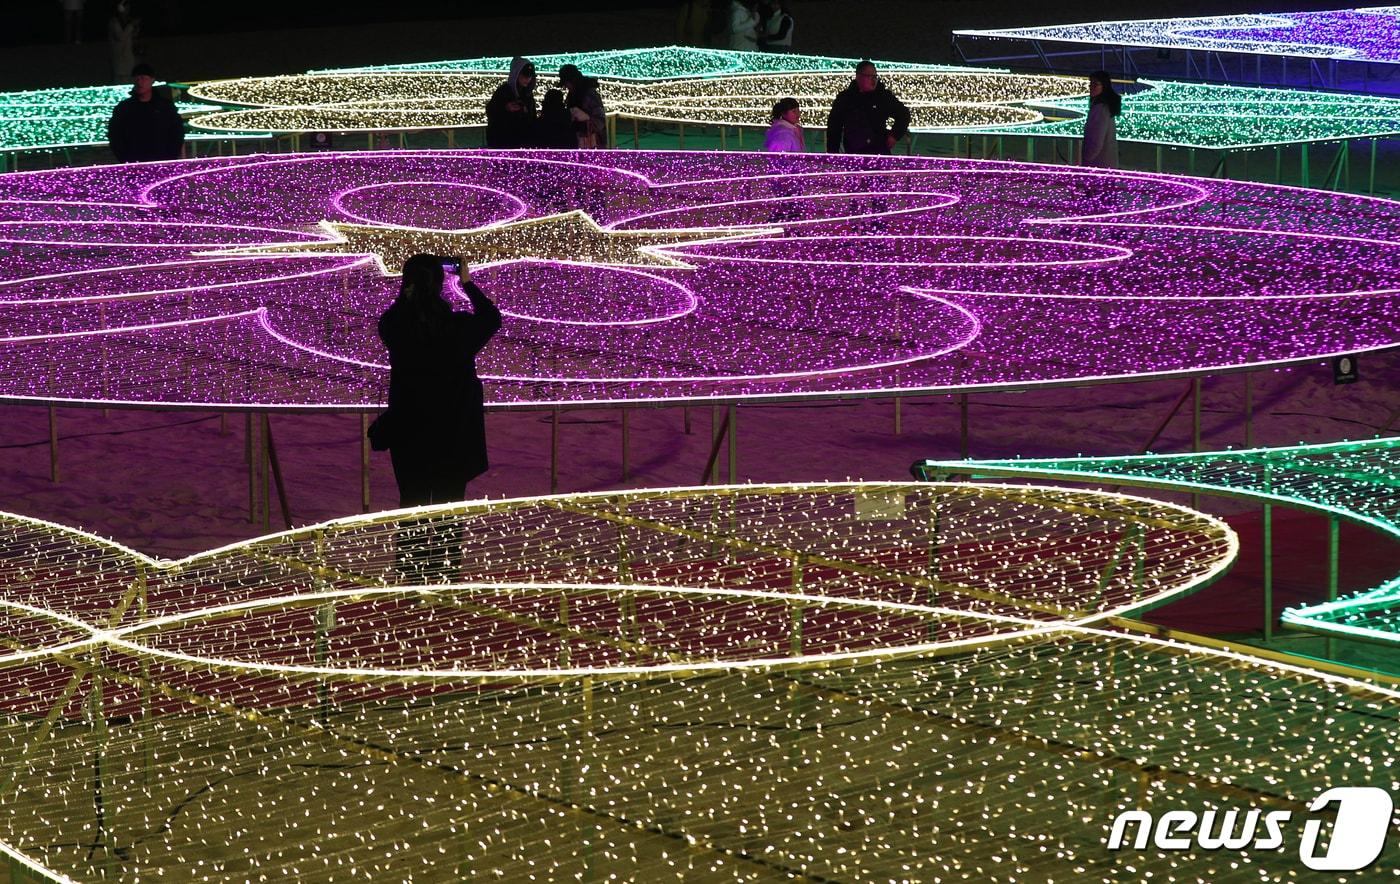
x=1334 y=542
x=53 y=444
x=276 y=469
x=266 y=475
x=898 y=415
x=1307 y=170
x=962 y=426
x=248 y=446
x=554 y=450
x=1371 y=182
x=626 y=459
x=1248 y=409
x=364 y=458
x=1195 y=414
x=1195 y=429
x=733 y=443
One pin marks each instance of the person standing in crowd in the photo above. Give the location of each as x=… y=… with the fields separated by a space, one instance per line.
x=556 y=127
x=146 y=126
x=437 y=440
x=786 y=135
x=72 y=20
x=777 y=28
x=860 y=113
x=743 y=25
x=122 y=29
x=585 y=107
x=1100 y=131
x=511 y=111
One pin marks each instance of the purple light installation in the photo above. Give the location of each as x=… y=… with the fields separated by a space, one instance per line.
x=256 y=281
x=1367 y=34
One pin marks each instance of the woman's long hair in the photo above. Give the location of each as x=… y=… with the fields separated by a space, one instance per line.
x=420 y=291
x=1108 y=96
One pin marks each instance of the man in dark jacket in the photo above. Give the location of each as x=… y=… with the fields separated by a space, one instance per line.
x=860 y=112
x=145 y=126
x=511 y=112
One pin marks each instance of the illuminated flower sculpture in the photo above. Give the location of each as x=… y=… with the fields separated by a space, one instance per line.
x=856 y=682
x=1355 y=481
x=847 y=681
x=645 y=276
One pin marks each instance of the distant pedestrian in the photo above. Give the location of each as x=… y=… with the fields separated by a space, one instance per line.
x=122 y=29
x=777 y=28
x=860 y=114
x=743 y=25
x=72 y=20
x=437 y=435
x=146 y=126
x=585 y=107
x=1100 y=131
x=786 y=135
x=511 y=111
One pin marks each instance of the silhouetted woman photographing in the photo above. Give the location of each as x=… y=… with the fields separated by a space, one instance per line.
x=437 y=439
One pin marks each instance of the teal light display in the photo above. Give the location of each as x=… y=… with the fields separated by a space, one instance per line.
x=1203 y=115
x=1353 y=481
x=51 y=119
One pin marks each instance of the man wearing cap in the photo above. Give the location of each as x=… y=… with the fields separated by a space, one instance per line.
x=511 y=112
x=146 y=126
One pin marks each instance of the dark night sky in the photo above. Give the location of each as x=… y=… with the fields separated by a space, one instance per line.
x=34 y=22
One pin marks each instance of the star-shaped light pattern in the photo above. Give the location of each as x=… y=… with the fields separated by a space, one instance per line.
x=817 y=681
x=119 y=280
x=568 y=237
x=1356 y=481
x=1367 y=34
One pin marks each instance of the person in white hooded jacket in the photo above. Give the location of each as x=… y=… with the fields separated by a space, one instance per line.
x=786 y=135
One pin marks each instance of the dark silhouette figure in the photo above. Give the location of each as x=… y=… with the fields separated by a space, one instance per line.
x=1100 y=132
x=556 y=127
x=438 y=437
x=146 y=126
x=859 y=115
x=511 y=111
x=585 y=107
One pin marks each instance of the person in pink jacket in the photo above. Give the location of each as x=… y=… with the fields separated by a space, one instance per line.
x=786 y=135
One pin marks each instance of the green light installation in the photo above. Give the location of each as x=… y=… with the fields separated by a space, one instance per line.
x=52 y=119
x=1355 y=481
x=1203 y=115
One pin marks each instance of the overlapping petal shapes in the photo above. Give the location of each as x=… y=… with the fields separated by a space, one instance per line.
x=696 y=682
x=643 y=276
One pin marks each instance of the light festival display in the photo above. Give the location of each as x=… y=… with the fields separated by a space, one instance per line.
x=939 y=100
x=837 y=682
x=641 y=276
x=1207 y=115
x=1356 y=481
x=1367 y=34
x=655 y=63
x=49 y=119
x=679 y=85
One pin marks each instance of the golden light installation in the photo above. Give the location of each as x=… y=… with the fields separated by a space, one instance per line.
x=567 y=236
x=939 y=100
x=845 y=681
